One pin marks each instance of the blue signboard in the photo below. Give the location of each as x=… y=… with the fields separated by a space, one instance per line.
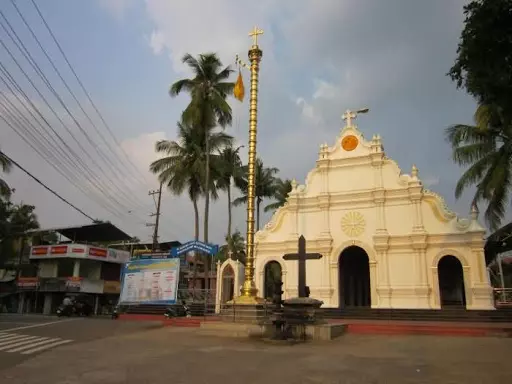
x=195 y=245
x=150 y=282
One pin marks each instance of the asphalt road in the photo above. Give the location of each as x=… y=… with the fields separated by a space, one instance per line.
x=25 y=336
x=183 y=355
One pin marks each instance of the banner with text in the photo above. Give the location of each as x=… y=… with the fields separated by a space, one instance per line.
x=150 y=282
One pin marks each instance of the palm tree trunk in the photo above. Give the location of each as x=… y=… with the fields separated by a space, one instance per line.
x=196 y=237
x=229 y=217
x=196 y=220
x=258 y=202
x=206 y=203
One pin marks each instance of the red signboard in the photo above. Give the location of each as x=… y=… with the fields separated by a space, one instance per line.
x=28 y=282
x=77 y=250
x=59 y=250
x=39 y=250
x=97 y=252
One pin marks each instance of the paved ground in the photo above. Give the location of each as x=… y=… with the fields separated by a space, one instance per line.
x=182 y=356
x=24 y=336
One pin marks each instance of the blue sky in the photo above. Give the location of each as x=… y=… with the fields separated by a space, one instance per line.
x=320 y=58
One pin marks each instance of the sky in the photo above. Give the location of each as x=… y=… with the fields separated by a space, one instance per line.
x=320 y=57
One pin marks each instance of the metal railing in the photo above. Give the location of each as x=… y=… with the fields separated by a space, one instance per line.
x=503 y=297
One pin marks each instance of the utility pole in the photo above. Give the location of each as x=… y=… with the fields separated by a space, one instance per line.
x=158 y=201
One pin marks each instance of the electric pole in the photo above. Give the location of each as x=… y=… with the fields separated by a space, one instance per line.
x=157 y=201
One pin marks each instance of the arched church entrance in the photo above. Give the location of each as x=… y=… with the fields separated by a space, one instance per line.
x=451 y=282
x=228 y=284
x=354 y=278
x=273 y=273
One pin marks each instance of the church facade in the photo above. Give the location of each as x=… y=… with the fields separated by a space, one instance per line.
x=386 y=240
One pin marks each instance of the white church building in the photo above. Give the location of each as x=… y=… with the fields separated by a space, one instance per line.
x=386 y=240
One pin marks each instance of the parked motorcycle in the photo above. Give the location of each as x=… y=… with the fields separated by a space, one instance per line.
x=115 y=313
x=65 y=310
x=178 y=310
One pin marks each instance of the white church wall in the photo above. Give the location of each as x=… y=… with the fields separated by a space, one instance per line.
x=357 y=196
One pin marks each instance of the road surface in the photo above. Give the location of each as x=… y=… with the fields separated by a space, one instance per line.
x=181 y=355
x=25 y=336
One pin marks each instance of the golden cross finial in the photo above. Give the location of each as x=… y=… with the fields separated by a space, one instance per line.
x=254 y=34
x=348 y=116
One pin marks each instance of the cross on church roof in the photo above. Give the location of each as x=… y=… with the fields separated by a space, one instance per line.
x=348 y=116
x=254 y=34
x=302 y=256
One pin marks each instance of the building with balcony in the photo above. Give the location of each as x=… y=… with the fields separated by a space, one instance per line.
x=83 y=265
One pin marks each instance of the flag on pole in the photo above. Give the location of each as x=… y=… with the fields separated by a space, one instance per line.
x=239 y=91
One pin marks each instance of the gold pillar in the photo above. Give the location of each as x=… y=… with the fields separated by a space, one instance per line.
x=249 y=290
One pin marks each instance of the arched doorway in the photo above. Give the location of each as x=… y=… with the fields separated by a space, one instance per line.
x=354 y=278
x=451 y=282
x=228 y=284
x=273 y=272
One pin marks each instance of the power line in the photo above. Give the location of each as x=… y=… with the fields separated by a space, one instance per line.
x=98 y=131
x=15 y=123
x=85 y=90
x=39 y=72
x=78 y=164
x=44 y=146
x=46 y=187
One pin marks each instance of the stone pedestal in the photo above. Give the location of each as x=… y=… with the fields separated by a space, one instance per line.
x=245 y=313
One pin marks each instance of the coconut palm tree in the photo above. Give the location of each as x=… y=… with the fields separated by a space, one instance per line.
x=208 y=90
x=486 y=148
x=20 y=219
x=5 y=166
x=184 y=163
x=265 y=186
x=282 y=189
x=229 y=168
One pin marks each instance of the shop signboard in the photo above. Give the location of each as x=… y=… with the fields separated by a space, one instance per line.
x=80 y=251
x=27 y=283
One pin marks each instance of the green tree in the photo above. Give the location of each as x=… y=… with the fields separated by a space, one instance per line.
x=5 y=166
x=229 y=168
x=265 y=186
x=235 y=243
x=182 y=168
x=208 y=90
x=282 y=189
x=486 y=148
x=17 y=219
x=483 y=65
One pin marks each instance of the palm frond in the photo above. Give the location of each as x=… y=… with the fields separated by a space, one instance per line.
x=179 y=86
x=5 y=163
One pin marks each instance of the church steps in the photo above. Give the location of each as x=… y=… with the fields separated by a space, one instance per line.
x=446 y=315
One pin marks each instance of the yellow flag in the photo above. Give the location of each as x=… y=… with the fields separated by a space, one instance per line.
x=239 y=91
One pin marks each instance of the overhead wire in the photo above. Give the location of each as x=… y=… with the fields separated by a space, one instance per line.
x=105 y=124
x=112 y=151
x=79 y=162
x=45 y=186
x=16 y=121
x=73 y=160
x=37 y=69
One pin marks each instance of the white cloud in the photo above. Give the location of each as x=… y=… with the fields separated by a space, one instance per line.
x=116 y=7
x=157 y=42
x=325 y=90
x=430 y=181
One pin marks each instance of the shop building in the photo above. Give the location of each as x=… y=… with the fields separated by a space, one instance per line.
x=84 y=266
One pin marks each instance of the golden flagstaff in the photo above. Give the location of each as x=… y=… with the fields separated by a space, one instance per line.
x=249 y=290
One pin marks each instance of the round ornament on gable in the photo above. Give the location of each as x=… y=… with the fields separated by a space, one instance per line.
x=349 y=143
x=353 y=224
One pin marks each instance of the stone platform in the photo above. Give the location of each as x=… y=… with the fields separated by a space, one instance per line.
x=316 y=332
